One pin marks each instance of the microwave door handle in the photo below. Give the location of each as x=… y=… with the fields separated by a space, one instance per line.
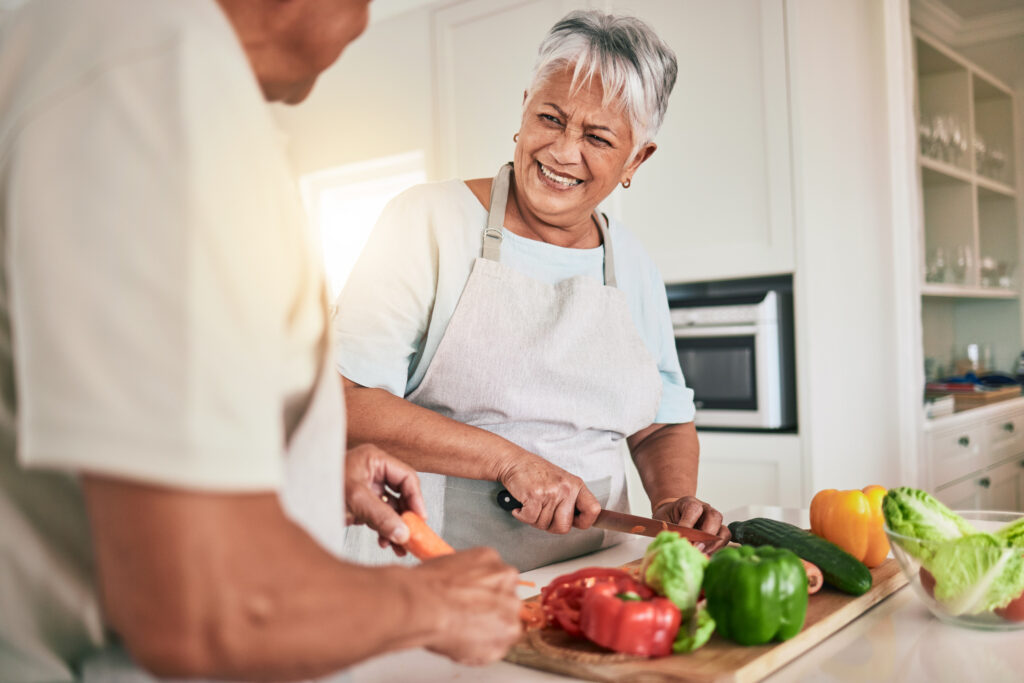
x=730 y=331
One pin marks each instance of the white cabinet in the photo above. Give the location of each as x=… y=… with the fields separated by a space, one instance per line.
x=965 y=495
x=976 y=458
x=715 y=201
x=969 y=199
x=739 y=469
x=1003 y=485
x=955 y=453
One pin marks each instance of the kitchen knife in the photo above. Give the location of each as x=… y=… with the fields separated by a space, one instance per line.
x=632 y=524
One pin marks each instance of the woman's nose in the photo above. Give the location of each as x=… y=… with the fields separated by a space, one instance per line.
x=566 y=147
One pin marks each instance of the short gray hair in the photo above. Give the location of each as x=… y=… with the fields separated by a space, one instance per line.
x=636 y=68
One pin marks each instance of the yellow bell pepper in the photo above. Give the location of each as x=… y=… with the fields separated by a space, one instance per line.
x=853 y=521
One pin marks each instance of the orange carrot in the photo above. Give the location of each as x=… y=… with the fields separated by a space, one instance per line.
x=423 y=543
x=532 y=615
x=814 y=577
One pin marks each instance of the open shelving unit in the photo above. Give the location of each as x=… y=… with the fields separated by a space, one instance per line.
x=971 y=264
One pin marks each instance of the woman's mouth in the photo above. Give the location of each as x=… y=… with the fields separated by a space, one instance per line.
x=558 y=179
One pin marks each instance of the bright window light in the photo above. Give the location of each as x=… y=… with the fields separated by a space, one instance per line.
x=344 y=203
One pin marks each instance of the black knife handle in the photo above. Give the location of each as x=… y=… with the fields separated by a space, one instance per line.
x=506 y=502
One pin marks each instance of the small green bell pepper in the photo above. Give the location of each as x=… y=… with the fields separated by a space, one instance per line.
x=756 y=595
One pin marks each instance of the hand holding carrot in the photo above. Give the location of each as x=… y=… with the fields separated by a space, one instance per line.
x=369 y=474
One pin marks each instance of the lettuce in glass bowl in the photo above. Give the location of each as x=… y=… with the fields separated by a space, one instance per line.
x=966 y=566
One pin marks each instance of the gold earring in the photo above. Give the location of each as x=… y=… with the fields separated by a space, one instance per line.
x=515 y=138
x=627 y=182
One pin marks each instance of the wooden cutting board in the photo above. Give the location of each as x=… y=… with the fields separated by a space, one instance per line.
x=828 y=611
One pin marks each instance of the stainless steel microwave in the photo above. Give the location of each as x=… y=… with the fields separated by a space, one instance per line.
x=736 y=352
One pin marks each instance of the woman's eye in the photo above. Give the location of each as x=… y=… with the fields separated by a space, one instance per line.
x=550 y=119
x=599 y=140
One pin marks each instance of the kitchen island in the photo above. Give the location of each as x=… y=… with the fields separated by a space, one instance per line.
x=897 y=640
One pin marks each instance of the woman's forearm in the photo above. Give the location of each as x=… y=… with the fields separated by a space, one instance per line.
x=426 y=440
x=667 y=457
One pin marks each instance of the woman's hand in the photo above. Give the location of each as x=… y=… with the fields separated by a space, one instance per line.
x=371 y=475
x=551 y=497
x=694 y=513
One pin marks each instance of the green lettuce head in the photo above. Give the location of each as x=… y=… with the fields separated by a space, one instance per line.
x=916 y=514
x=674 y=568
x=976 y=573
x=694 y=632
x=1012 y=533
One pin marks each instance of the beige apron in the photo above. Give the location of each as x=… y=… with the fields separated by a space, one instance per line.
x=559 y=370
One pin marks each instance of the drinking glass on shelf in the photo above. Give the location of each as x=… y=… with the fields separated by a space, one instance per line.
x=943 y=134
x=958 y=141
x=988 y=271
x=961 y=264
x=980 y=154
x=1004 y=271
x=935 y=265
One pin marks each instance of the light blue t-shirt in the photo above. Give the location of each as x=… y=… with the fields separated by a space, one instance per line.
x=396 y=305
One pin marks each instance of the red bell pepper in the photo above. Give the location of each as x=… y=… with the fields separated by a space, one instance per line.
x=561 y=599
x=628 y=623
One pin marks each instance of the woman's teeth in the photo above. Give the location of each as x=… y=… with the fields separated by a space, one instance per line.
x=561 y=180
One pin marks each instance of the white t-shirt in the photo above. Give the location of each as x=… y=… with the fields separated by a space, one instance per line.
x=161 y=300
x=396 y=305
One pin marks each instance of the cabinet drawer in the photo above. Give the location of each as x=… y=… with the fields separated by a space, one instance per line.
x=965 y=495
x=1004 y=438
x=955 y=453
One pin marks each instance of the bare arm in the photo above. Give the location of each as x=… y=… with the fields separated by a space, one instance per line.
x=667 y=457
x=431 y=442
x=224 y=585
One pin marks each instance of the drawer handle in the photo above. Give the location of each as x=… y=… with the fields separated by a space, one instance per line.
x=984 y=482
x=1008 y=427
x=964 y=441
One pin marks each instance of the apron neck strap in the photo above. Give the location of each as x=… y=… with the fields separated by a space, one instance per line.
x=496 y=216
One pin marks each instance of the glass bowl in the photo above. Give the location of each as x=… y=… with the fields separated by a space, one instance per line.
x=907 y=550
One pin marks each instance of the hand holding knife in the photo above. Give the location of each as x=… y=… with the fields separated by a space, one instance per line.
x=632 y=524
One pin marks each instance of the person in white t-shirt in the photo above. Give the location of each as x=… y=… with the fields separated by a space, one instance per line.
x=508 y=335
x=169 y=433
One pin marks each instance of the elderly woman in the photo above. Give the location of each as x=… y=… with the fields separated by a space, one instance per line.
x=505 y=334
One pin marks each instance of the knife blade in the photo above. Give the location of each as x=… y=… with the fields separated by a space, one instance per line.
x=632 y=524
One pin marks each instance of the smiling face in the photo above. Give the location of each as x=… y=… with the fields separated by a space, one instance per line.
x=571 y=153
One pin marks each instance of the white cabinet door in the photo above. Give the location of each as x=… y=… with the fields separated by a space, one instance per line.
x=1004 y=484
x=715 y=200
x=970 y=494
x=750 y=469
x=484 y=52
x=954 y=453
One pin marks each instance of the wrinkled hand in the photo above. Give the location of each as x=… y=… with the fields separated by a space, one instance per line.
x=694 y=513
x=473 y=595
x=550 y=496
x=369 y=474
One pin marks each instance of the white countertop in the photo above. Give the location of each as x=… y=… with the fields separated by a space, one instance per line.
x=897 y=640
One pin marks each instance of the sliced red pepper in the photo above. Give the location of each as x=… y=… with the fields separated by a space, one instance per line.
x=627 y=623
x=562 y=598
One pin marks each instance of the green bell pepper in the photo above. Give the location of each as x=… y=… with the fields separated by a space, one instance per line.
x=756 y=595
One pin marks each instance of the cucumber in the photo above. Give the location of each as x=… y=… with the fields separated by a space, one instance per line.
x=840 y=568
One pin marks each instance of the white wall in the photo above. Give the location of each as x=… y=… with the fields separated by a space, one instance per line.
x=846 y=313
